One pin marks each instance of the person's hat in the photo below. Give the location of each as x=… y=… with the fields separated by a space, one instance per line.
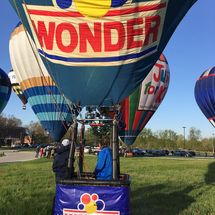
x=65 y=142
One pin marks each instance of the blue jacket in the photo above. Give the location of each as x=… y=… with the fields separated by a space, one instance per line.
x=104 y=170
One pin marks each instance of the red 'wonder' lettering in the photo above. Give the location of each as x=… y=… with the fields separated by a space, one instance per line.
x=107 y=36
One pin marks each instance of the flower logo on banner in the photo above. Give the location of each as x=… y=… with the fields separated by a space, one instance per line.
x=91 y=203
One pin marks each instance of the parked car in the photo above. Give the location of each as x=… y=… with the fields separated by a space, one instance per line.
x=156 y=152
x=192 y=153
x=87 y=149
x=138 y=152
x=95 y=150
x=182 y=153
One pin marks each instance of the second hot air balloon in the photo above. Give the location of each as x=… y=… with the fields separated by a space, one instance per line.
x=138 y=108
x=205 y=94
x=17 y=89
x=5 y=89
x=40 y=90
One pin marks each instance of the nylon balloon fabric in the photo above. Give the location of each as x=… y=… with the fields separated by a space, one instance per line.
x=104 y=48
x=5 y=90
x=139 y=107
x=205 y=94
x=38 y=87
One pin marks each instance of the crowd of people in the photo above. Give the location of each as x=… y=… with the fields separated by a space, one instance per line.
x=47 y=152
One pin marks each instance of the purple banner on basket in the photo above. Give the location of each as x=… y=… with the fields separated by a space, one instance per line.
x=92 y=200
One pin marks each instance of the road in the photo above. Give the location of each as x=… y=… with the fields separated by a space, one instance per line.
x=15 y=156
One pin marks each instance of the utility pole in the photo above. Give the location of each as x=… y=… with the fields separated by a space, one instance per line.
x=184 y=135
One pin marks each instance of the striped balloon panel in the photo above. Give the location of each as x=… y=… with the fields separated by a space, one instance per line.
x=134 y=120
x=205 y=94
x=129 y=136
x=5 y=89
x=48 y=104
x=39 y=88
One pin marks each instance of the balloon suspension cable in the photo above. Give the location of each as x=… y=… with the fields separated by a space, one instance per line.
x=70 y=104
x=42 y=73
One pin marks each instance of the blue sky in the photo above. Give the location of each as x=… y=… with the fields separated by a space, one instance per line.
x=190 y=51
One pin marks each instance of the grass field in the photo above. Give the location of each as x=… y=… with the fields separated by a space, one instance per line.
x=159 y=186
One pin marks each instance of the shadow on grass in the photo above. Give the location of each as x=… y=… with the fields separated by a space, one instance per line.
x=210 y=175
x=158 y=199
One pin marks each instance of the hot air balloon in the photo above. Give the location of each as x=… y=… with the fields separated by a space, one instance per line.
x=205 y=94
x=104 y=48
x=38 y=87
x=139 y=107
x=17 y=89
x=5 y=89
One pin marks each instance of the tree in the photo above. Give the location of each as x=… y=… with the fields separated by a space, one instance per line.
x=194 y=134
x=39 y=135
x=194 y=138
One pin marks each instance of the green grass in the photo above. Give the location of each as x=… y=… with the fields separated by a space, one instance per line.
x=159 y=186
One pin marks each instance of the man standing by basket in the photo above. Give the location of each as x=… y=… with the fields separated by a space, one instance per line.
x=60 y=162
x=104 y=169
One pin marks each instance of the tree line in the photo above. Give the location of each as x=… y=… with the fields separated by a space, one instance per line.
x=11 y=126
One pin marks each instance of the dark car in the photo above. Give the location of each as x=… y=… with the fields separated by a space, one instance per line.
x=138 y=152
x=155 y=153
x=182 y=153
x=192 y=153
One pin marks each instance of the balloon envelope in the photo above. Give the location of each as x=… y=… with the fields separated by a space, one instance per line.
x=104 y=48
x=205 y=94
x=5 y=89
x=40 y=90
x=16 y=88
x=139 y=107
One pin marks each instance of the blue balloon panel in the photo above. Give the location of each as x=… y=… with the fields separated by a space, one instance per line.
x=5 y=89
x=205 y=94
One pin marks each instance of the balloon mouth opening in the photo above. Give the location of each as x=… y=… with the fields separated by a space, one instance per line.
x=128 y=140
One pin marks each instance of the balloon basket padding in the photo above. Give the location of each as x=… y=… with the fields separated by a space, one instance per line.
x=89 y=179
x=108 y=197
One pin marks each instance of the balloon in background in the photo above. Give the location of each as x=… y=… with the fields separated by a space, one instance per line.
x=5 y=89
x=139 y=107
x=40 y=90
x=98 y=52
x=17 y=89
x=205 y=94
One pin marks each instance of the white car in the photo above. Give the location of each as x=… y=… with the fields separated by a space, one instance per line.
x=86 y=149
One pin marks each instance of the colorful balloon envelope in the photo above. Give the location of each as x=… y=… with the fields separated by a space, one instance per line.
x=17 y=89
x=38 y=87
x=104 y=48
x=205 y=94
x=5 y=89
x=139 y=107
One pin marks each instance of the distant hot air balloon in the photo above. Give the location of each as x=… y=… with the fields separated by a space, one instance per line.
x=205 y=94
x=17 y=89
x=98 y=52
x=5 y=89
x=40 y=90
x=139 y=107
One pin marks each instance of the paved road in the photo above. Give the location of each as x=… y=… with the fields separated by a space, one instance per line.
x=14 y=156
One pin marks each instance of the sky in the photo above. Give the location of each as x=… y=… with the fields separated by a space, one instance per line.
x=190 y=51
